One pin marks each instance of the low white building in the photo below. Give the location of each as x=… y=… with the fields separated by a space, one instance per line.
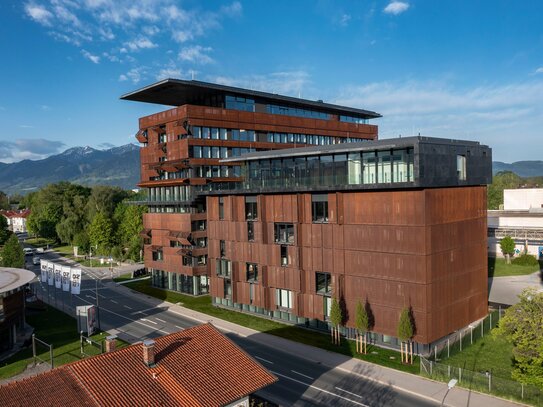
x=16 y=220
x=521 y=218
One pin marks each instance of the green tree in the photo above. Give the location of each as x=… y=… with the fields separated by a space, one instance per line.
x=500 y=181
x=130 y=224
x=336 y=318
x=101 y=233
x=522 y=325
x=4 y=231
x=12 y=253
x=104 y=199
x=507 y=246
x=405 y=331
x=362 y=322
x=4 y=201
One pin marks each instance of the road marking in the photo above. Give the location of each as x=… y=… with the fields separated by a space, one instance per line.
x=301 y=374
x=126 y=306
x=161 y=320
x=148 y=320
x=103 y=296
x=347 y=391
x=90 y=296
x=179 y=327
x=130 y=319
x=113 y=301
x=318 y=388
x=264 y=360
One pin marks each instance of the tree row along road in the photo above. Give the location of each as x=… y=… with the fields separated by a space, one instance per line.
x=301 y=382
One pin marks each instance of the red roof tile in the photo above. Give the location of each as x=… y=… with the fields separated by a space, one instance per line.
x=195 y=367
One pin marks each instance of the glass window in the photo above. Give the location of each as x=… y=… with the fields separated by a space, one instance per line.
x=250 y=231
x=227 y=288
x=223 y=268
x=196 y=132
x=223 y=134
x=323 y=283
x=384 y=170
x=354 y=169
x=461 y=167
x=158 y=255
x=327 y=170
x=284 y=233
x=251 y=209
x=222 y=248
x=283 y=298
x=252 y=272
x=400 y=166
x=319 y=208
x=369 y=169
x=284 y=255
x=340 y=169
x=221 y=208
x=205 y=132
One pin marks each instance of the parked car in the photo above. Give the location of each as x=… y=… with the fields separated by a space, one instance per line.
x=28 y=251
x=35 y=260
x=40 y=250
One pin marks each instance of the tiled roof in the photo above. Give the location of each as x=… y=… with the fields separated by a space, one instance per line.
x=195 y=367
x=15 y=214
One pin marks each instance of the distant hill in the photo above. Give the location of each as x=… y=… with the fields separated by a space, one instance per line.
x=118 y=166
x=521 y=168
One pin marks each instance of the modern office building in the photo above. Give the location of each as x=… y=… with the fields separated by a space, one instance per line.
x=393 y=223
x=181 y=149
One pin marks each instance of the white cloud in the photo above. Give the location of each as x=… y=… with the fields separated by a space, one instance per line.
x=140 y=43
x=284 y=83
x=135 y=75
x=39 y=13
x=33 y=149
x=182 y=36
x=396 y=7
x=500 y=116
x=344 y=20
x=196 y=54
x=45 y=108
x=539 y=70
x=26 y=126
x=233 y=10
x=93 y=58
x=169 y=73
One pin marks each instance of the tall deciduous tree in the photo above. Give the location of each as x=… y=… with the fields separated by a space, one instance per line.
x=12 y=253
x=4 y=231
x=101 y=233
x=362 y=325
x=502 y=180
x=336 y=318
x=507 y=246
x=406 y=330
x=522 y=325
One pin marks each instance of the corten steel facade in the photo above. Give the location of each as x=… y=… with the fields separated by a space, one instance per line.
x=394 y=223
x=180 y=153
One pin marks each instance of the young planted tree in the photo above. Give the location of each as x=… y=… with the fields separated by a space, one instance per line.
x=362 y=326
x=405 y=333
x=12 y=253
x=507 y=246
x=336 y=318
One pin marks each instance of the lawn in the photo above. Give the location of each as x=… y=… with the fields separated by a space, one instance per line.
x=383 y=357
x=486 y=354
x=54 y=327
x=498 y=268
x=123 y=277
x=40 y=241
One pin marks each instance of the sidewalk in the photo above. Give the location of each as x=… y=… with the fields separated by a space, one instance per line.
x=429 y=389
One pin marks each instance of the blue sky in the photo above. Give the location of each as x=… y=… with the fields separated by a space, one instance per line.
x=456 y=69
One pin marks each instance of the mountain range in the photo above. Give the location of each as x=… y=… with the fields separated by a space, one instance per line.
x=117 y=166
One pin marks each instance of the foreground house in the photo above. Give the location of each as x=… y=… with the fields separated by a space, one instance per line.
x=16 y=219
x=195 y=367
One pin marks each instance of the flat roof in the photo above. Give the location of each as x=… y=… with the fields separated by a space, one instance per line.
x=12 y=278
x=177 y=92
x=401 y=142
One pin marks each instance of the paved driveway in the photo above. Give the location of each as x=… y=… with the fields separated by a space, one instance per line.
x=505 y=290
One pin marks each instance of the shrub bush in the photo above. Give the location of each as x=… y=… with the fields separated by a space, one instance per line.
x=525 y=260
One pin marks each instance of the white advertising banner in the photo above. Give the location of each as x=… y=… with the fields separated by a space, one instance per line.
x=43 y=269
x=58 y=275
x=66 y=271
x=50 y=274
x=76 y=281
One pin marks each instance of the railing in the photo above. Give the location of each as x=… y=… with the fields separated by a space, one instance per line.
x=483 y=382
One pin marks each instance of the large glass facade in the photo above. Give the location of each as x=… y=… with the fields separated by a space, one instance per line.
x=193 y=285
x=373 y=167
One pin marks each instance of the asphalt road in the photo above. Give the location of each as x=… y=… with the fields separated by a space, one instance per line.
x=301 y=382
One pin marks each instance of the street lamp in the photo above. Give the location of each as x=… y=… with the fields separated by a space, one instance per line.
x=450 y=385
